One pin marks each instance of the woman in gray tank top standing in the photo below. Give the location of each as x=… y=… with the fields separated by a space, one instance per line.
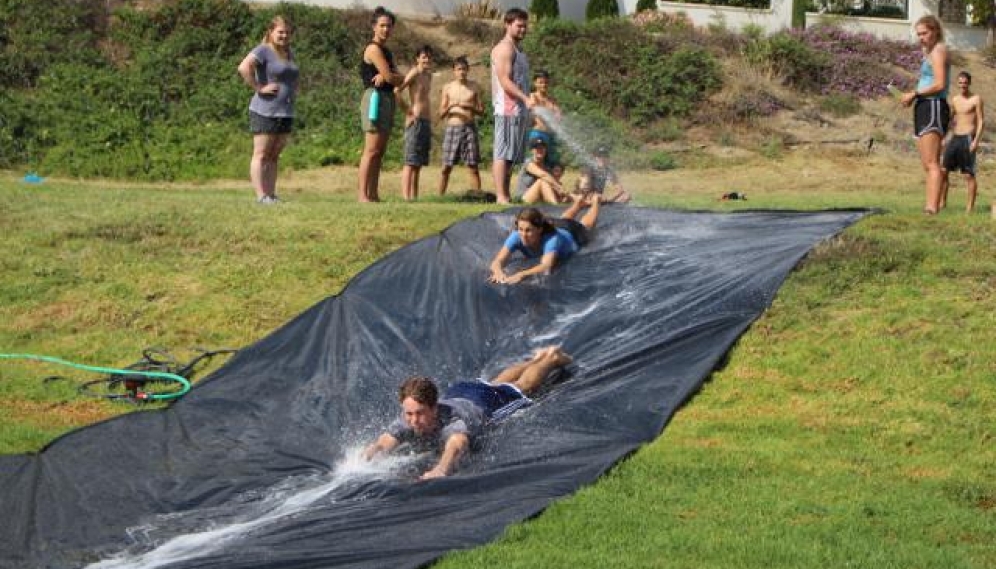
x=270 y=71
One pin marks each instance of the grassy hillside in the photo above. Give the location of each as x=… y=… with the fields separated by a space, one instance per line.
x=851 y=425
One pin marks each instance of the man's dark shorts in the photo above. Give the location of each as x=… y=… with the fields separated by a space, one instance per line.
x=418 y=142
x=958 y=155
x=490 y=398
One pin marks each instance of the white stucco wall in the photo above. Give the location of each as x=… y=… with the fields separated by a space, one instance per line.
x=778 y=17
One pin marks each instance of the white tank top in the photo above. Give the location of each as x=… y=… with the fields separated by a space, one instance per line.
x=506 y=104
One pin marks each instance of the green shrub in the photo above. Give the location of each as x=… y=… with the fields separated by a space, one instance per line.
x=662 y=161
x=601 y=9
x=35 y=35
x=642 y=5
x=840 y=105
x=544 y=9
x=788 y=56
x=664 y=130
x=641 y=77
x=773 y=148
x=161 y=99
x=19 y=130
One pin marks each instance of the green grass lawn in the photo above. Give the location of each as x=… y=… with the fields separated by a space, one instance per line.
x=854 y=424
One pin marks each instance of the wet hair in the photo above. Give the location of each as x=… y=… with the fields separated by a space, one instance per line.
x=274 y=24
x=424 y=50
x=966 y=75
x=382 y=11
x=422 y=389
x=931 y=22
x=461 y=61
x=535 y=217
x=514 y=14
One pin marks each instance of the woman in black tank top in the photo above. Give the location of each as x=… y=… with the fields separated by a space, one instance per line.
x=379 y=76
x=368 y=71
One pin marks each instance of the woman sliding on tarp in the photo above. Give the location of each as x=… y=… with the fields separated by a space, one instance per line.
x=450 y=423
x=549 y=240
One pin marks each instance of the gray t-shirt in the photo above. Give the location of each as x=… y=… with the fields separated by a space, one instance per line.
x=455 y=416
x=271 y=68
x=526 y=179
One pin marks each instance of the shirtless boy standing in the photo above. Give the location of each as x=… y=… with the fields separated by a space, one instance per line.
x=418 y=121
x=959 y=153
x=461 y=103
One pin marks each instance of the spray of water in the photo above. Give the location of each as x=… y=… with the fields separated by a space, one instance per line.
x=558 y=328
x=280 y=503
x=565 y=135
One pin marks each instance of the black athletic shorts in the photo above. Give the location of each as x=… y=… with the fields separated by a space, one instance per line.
x=577 y=230
x=931 y=115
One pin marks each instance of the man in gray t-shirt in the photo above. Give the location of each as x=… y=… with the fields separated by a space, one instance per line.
x=448 y=424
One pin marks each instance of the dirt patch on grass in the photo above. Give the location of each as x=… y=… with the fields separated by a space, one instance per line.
x=64 y=414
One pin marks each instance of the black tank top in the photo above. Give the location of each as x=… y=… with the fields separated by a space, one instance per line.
x=368 y=70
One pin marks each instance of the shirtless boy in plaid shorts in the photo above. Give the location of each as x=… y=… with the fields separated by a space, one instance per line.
x=461 y=103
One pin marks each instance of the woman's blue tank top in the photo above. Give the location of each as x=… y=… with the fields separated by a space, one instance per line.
x=927 y=79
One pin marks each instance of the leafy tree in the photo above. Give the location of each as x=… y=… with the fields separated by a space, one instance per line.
x=545 y=9
x=642 y=5
x=601 y=9
x=984 y=14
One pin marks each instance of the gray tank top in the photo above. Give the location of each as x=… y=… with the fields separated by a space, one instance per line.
x=505 y=104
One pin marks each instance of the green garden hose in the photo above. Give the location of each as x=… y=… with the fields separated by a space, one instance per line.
x=158 y=375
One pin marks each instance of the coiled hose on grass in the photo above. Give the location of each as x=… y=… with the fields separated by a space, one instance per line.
x=142 y=375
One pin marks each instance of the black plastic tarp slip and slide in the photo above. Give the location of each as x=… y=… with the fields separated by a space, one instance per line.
x=244 y=471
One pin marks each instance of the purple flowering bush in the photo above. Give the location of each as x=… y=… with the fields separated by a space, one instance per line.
x=858 y=64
